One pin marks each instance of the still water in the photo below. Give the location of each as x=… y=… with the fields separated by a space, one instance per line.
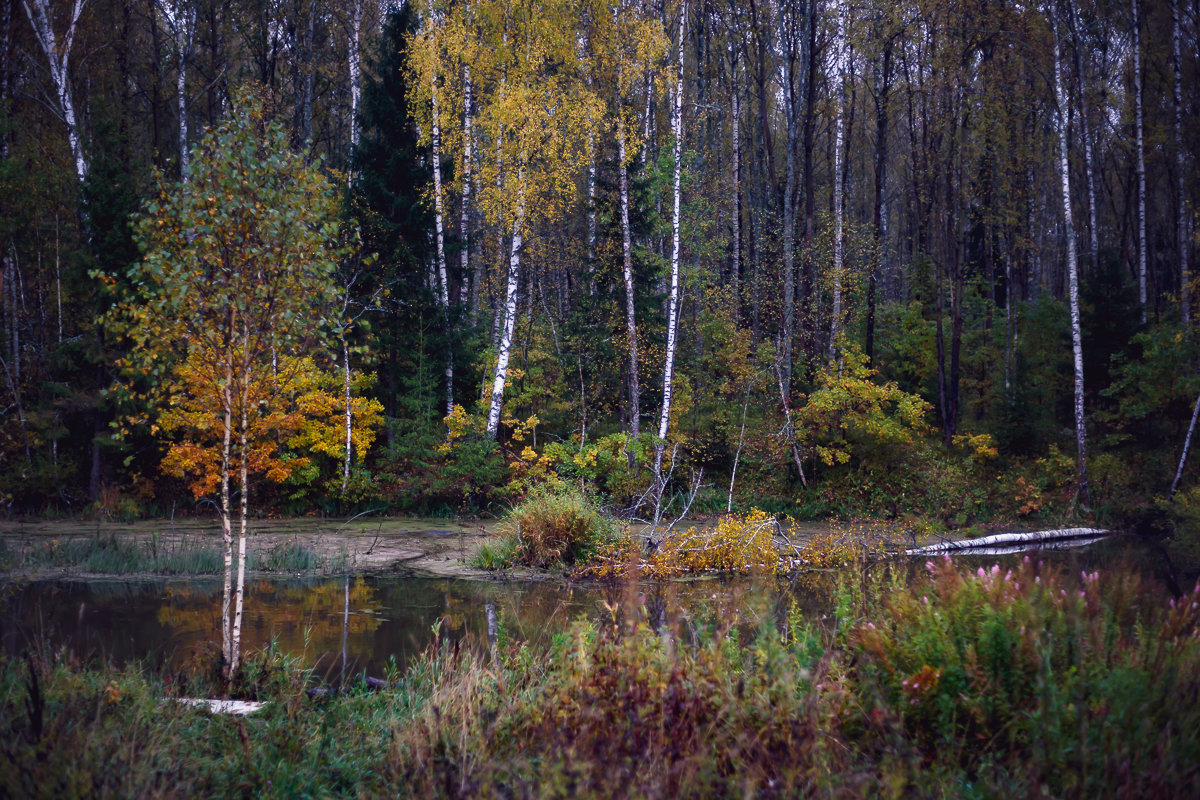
x=359 y=623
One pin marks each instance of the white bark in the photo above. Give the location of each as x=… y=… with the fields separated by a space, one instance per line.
x=354 y=57
x=504 y=347
x=436 y=135
x=1187 y=445
x=635 y=411
x=839 y=181
x=240 y=592
x=1030 y=537
x=1072 y=277
x=1086 y=135
x=181 y=18
x=664 y=420
x=58 y=55
x=238 y=708
x=1181 y=226
x=349 y=417
x=226 y=521
x=646 y=121
x=1141 y=155
x=791 y=114
x=443 y=283
x=735 y=265
x=464 y=221
x=789 y=430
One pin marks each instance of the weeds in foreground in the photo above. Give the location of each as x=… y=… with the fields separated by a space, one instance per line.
x=971 y=683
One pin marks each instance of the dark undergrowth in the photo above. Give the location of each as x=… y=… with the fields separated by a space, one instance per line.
x=991 y=683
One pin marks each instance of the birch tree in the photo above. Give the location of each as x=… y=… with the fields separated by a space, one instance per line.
x=237 y=265
x=532 y=127
x=58 y=56
x=628 y=40
x=1141 y=156
x=180 y=16
x=1085 y=133
x=443 y=285
x=839 y=175
x=1064 y=172
x=354 y=68
x=1181 y=211
x=676 y=288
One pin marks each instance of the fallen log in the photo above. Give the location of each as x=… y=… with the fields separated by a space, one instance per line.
x=237 y=707
x=1009 y=540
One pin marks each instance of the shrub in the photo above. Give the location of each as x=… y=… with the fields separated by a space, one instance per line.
x=739 y=543
x=553 y=526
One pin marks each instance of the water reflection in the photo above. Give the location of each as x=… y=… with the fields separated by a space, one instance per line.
x=348 y=625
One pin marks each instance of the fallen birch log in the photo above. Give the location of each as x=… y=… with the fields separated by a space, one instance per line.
x=238 y=707
x=1008 y=540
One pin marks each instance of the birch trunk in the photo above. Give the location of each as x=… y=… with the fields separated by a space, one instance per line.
x=183 y=22
x=735 y=265
x=226 y=522
x=310 y=75
x=354 y=59
x=1187 y=445
x=443 y=283
x=788 y=333
x=635 y=411
x=1000 y=539
x=664 y=420
x=240 y=593
x=464 y=221
x=839 y=187
x=883 y=78
x=504 y=347
x=1141 y=155
x=591 y=213
x=58 y=55
x=1089 y=172
x=1009 y=296
x=1181 y=225
x=1072 y=278
x=349 y=418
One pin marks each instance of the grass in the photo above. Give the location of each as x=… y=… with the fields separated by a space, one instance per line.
x=285 y=557
x=106 y=554
x=551 y=527
x=1028 y=682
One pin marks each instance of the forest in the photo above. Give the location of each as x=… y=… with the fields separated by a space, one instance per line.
x=927 y=260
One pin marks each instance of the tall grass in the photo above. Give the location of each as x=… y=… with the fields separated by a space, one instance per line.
x=112 y=555
x=990 y=683
x=550 y=527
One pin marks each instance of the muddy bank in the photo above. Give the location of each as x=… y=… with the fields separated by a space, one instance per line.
x=426 y=547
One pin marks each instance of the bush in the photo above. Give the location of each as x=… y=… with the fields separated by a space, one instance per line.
x=553 y=526
x=739 y=543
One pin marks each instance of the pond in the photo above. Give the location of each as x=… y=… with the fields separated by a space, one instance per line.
x=344 y=626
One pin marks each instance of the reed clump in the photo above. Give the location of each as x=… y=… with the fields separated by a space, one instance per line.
x=552 y=527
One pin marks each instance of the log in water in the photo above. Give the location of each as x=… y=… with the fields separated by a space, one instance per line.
x=1008 y=540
